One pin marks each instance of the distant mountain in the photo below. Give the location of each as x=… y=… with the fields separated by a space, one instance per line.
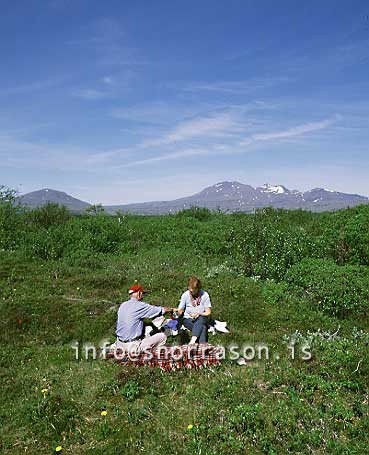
x=224 y=196
x=42 y=197
x=237 y=197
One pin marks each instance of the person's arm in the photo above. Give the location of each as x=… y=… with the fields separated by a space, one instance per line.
x=182 y=305
x=150 y=311
x=168 y=309
x=206 y=312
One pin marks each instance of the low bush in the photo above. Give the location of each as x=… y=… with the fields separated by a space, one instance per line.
x=267 y=244
x=347 y=235
x=10 y=219
x=48 y=215
x=199 y=213
x=338 y=290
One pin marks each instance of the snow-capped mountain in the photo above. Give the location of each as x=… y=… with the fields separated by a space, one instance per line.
x=275 y=189
x=236 y=196
x=225 y=196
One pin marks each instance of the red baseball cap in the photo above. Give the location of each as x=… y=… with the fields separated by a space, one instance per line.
x=135 y=288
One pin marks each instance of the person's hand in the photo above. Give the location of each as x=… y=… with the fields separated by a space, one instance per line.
x=194 y=315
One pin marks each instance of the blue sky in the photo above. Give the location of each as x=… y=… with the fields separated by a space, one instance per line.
x=119 y=101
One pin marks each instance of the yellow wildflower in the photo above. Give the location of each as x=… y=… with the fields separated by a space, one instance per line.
x=189 y=427
x=44 y=390
x=58 y=449
x=104 y=413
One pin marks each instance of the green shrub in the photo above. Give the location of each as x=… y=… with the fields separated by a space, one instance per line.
x=49 y=214
x=77 y=237
x=268 y=243
x=265 y=244
x=347 y=234
x=338 y=290
x=7 y=195
x=199 y=213
x=8 y=224
x=10 y=219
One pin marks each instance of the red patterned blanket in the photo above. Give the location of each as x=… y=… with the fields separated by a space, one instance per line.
x=170 y=358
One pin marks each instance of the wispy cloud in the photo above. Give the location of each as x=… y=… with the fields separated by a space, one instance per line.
x=213 y=126
x=35 y=86
x=108 y=86
x=91 y=94
x=23 y=154
x=198 y=122
x=109 y=80
x=228 y=148
x=106 y=39
x=237 y=87
x=294 y=131
x=110 y=43
x=186 y=153
x=154 y=113
x=216 y=134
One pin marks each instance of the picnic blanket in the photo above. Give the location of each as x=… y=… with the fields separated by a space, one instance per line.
x=171 y=358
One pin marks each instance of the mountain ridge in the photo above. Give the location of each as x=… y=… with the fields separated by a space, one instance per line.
x=235 y=196
x=227 y=196
x=41 y=197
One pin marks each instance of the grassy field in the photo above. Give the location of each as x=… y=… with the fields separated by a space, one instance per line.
x=53 y=295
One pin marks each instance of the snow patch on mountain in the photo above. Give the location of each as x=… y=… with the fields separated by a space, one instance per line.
x=276 y=189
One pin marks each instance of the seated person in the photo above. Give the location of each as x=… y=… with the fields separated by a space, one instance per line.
x=130 y=324
x=195 y=307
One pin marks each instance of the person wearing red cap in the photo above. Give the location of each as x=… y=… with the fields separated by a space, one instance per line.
x=130 y=325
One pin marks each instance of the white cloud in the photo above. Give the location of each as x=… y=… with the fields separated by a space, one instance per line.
x=218 y=134
x=166 y=157
x=22 y=154
x=203 y=127
x=294 y=131
x=158 y=112
x=236 y=87
x=213 y=126
x=31 y=87
x=91 y=94
x=108 y=80
x=219 y=122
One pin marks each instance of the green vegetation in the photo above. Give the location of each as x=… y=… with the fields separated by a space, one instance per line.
x=288 y=279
